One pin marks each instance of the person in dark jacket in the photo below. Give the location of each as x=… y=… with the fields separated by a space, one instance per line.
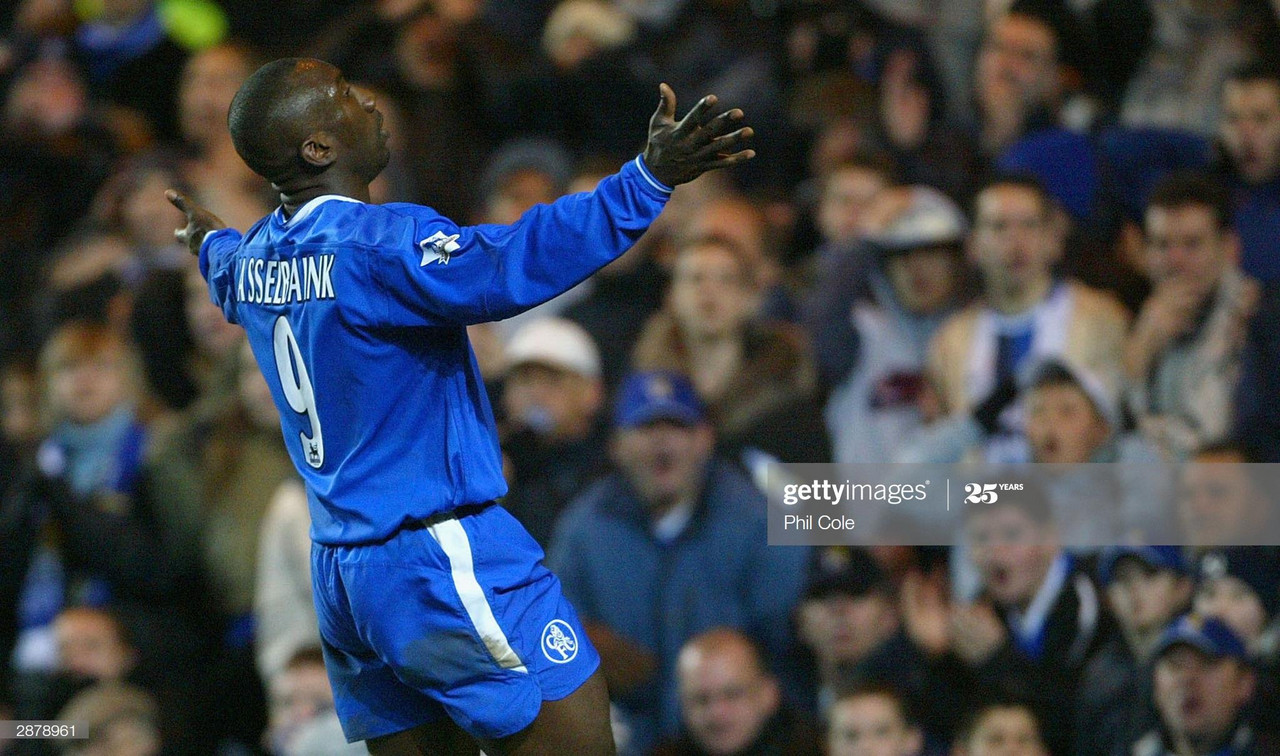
x=1146 y=587
x=848 y=614
x=1203 y=685
x=1257 y=415
x=1037 y=619
x=555 y=443
x=1241 y=586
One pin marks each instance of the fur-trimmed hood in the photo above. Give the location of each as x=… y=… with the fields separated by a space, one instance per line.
x=777 y=368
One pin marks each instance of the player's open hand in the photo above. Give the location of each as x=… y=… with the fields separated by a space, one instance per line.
x=680 y=151
x=199 y=221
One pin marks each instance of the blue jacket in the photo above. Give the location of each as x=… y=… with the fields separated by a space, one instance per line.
x=719 y=572
x=357 y=316
x=1257 y=217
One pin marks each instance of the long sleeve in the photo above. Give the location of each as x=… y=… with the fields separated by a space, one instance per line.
x=215 y=258
x=826 y=315
x=459 y=275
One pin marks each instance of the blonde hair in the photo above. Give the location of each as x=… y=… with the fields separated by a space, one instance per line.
x=599 y=22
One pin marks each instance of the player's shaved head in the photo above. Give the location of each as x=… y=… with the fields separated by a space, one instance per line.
x=269 y=111
x=277 y=109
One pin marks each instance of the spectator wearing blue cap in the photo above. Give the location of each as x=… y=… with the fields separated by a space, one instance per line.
x=671 y=545
x=1241 y=586
x=1203 y=685
x=1145 y=587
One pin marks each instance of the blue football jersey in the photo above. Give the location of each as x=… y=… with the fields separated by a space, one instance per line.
x=356 y=314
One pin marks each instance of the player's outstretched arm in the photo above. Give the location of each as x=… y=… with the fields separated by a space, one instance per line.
x=680 y=151
x=199 y=221
x=501 y=270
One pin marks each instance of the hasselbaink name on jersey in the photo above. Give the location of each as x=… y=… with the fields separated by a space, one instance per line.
x=289 y=281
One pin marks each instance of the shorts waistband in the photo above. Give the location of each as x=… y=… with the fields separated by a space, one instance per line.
x=457 y=513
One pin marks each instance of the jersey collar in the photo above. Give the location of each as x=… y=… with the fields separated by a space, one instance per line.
x=309 y=207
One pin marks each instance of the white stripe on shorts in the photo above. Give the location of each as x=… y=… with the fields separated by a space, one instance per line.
x=453 y=539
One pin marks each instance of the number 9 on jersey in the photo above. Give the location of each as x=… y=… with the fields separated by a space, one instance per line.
x=296 y=383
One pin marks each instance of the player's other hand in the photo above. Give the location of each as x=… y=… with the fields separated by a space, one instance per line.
x=199 y=221
x=680 y=151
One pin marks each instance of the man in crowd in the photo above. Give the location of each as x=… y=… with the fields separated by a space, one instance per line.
x=1250 y=132
x=731 y=705
x=1221 y=501
x=1240 y=585
x=1025 y=311
x=1182 y=360
x=1038 y=616
x=552 y=395
x=1202 y=685
x=119 y=719
x=915 y=282
x=872 y=721
x=670 y=546
x=1146 y=587
x=301 y=713
x=1001 y=729
x=848 y=614
x=1018 y=80
x=1019 y=87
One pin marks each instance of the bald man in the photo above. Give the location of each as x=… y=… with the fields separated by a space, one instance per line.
x=731 y=705
x=93 y=645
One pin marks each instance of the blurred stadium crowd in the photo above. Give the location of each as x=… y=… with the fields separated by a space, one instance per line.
x=1011 y=230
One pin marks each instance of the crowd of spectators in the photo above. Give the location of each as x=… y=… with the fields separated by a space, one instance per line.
x=1002 y=230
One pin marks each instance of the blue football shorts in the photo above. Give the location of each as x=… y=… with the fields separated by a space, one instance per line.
x=455 y=616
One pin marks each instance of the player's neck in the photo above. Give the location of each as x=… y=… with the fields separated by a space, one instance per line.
x=296 y=194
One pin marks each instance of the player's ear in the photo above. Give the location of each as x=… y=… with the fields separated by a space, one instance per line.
x=318 y=150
